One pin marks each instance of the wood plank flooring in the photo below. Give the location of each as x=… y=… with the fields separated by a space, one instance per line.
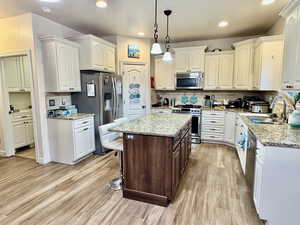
x=213 y=192
x=27 y=153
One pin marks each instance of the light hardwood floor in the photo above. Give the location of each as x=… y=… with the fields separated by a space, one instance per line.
x=26 y=153
x=213 y=192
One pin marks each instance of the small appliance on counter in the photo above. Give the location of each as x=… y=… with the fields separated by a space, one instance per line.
x=294 y=119
x=263 y=107
x=166 y=102
x=234 y=104
x=63 y=111
x=207 y=101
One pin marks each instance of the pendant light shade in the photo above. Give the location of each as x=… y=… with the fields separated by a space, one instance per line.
x=101 y=3
x=167 y=56
x=156 y=49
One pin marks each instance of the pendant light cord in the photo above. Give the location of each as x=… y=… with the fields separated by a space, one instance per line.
x=155 y=24
x=167 y=38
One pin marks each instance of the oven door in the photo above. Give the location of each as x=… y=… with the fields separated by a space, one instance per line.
x=196 y=129
x=189 y=81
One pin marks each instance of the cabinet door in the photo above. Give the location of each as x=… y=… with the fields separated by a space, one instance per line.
x=29 y=133
x=230 y=123
x=19 y=131
x=226 y=64
x=257 y=67
x=98 y=55
x=211 y=71
x=26 y=72
x=175 y=170
x=196 y=61
x=164 y=75
x=243 y=67
x=291 y=49
x=182 y=61
x=68 y=67
x=109 y=59
x=258 y=186
x=12 y=73
x=82 y=142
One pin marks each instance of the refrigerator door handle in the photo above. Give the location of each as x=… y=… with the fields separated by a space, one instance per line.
x=114 y=111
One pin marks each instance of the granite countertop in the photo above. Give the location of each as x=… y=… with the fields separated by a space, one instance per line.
x=77 y=116
x=274 y=135
x=237 y=110
x=167 y=125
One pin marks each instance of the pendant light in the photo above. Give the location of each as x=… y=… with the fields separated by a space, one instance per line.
x=101 y=3
x=167 y=56
x=156 y=49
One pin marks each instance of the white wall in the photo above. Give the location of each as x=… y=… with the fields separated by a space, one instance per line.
x=23 y=33
x=278 y=27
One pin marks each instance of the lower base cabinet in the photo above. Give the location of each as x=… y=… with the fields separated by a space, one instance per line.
x=153 y=166
x=22 y=130
x=71 y=140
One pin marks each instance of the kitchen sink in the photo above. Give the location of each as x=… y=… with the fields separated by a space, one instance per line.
x=264 y=120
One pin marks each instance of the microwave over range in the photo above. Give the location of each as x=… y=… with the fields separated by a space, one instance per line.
x=191 y=80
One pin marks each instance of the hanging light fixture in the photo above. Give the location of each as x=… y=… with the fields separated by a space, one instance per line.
x=156 y=49
x=101 y=3
x=167 y=56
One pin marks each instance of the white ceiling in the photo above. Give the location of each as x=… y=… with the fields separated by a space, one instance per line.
x=191 y=20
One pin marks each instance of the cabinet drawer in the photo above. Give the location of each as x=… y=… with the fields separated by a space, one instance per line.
x=84 y=122
x=212 y=122
x=212 y=136
x=213 y=113
x=216 y=129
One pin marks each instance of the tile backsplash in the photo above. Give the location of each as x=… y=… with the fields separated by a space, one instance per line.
x=219 y=95
x=54 y=101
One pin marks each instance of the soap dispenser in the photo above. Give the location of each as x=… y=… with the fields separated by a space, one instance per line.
x=294 y=120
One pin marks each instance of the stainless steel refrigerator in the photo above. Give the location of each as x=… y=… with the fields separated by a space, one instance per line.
x=102 y=95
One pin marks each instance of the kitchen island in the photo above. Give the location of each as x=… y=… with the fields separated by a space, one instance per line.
x=156 y=153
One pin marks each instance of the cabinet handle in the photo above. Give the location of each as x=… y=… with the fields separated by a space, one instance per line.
x=85 y=122
x=22 y=90
x=85 y=129
x=71 y=89
x=213 y=121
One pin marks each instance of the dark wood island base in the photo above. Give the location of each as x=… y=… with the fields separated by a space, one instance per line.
x=153 y=165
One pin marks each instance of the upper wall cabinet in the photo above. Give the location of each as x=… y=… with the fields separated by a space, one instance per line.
x=61 y=64
x=219 y=70
x=291 y=58
x=243 y=72
x=189 y=59
x=164 y=75
x=268 y=55
x=96 y=54
x=17 y=73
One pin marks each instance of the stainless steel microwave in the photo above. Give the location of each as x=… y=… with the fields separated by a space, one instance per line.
x=191 y=80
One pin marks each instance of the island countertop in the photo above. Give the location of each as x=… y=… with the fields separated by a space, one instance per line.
x=156 y=124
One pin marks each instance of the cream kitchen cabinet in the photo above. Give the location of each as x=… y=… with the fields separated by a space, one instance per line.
x=219 y=70
x=61 y=64
x=164 y=75
x=189 y=59
x=71 y=140
x=268 y=63
x=291 y=56
x=17 y=73
x=96 y=53
x=23 y=133
x=243 y=68
x=230 y=128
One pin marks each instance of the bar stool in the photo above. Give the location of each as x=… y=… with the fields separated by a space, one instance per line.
x=113 y=141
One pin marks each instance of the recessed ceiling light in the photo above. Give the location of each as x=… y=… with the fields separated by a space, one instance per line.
x=101 y=3
x=223 y=24
x=50 y=1
x=141 y=33
x=267 y=2
x=46 y=9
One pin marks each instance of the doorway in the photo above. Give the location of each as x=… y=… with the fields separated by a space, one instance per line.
x=135 y=89
x=16 y=105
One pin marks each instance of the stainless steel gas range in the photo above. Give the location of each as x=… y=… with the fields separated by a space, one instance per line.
x=196 y=112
